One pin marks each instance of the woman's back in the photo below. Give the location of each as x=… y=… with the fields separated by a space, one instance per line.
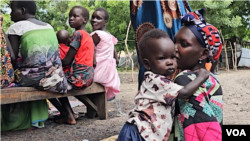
x=40 y=65
x=105 y=48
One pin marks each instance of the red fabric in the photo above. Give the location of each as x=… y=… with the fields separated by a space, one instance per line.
x=63 y=50
x=85 y=53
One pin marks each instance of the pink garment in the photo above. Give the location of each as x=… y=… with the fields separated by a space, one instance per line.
x=105 y=70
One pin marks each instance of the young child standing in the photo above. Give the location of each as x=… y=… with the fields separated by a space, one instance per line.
x=80 y=58
x=105 y=54
x=63 y=39
x=152 y=117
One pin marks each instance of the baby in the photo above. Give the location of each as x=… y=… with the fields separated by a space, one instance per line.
x=63 y=39
x=152 y=117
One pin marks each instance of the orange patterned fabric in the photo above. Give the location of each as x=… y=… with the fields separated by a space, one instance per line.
x=6 y=67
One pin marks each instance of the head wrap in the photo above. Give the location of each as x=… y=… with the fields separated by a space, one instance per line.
x=207 y=34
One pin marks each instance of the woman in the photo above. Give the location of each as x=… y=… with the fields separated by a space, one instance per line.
x=165 y=15
x=40 y=66
x=200 y=116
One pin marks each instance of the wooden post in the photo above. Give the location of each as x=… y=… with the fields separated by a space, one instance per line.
x=235 y=56
x=129 y=55
x=232 y=54
x=225 y=49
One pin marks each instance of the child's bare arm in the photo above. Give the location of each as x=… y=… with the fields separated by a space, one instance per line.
x=96 y=40
x=69 y=57
x=116 y=56
x=15 y=43
x=190 y=88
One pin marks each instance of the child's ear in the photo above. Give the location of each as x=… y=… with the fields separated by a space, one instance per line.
x=205 y=54
x=146 y=64
x=85 y=21
x=23 y=10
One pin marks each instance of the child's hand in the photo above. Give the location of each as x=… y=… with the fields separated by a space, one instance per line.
x=202 y=73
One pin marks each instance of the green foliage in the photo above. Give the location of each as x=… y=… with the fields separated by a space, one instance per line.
x=56 y=13
x=230 y=17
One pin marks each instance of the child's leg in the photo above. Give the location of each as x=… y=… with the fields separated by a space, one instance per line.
x=70 y=119
x=129 y=132
x=58 y=106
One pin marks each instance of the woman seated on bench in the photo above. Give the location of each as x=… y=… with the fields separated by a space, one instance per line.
x=40 y=66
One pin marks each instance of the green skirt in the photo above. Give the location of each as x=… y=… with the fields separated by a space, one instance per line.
x=23 y=115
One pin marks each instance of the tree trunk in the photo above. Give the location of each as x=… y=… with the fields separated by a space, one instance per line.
x=129 y=55
x=225 y=49
x=232 y=55
x=235 y=56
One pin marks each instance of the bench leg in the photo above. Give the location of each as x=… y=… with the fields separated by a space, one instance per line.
x=101 y=103
x=96 y=105
x=91 y=107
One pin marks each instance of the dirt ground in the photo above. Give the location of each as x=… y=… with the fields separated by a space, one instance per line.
x=236 y=97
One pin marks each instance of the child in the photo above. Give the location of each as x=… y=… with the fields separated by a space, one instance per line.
x=80 y=57
x=152 y=117
x=198 y=117
x=63 y=39
x=106 y=58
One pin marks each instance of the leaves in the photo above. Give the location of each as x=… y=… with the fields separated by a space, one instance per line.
x=230 y=17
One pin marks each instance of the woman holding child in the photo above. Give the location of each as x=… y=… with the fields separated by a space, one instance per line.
x=40 y=66
x=200 y=116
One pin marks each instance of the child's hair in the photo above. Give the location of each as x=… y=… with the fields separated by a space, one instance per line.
x=30 y=6
x=143 y=43
x=62 y=36
x=105 y=11
x=85 y=12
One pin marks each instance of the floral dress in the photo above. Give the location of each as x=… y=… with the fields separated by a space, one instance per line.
x=154 y=110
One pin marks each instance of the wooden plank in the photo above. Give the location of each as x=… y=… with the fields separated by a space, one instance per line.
x=91 y=107
x=101 y=103
x=23 y=94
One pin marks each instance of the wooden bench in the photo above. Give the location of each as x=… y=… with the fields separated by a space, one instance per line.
x=94 y=97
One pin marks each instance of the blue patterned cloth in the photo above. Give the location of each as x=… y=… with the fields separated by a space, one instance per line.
x=129 y=132
x=165 y=15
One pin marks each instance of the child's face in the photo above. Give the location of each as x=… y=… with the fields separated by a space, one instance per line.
x=16 y=13
x=76 y=19
x=189 y=50
x=98 y=21
x=161 y=57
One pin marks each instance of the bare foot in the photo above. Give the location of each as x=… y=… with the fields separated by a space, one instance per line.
x=66 y=120
x=56 y=117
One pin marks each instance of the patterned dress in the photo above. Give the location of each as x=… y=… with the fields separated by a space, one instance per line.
x=7 y=72
x=154 y=110
x=162 y=14
x=81 y=73
x=199 y=118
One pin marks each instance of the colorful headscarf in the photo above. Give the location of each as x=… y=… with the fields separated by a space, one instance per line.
x=207 y=34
